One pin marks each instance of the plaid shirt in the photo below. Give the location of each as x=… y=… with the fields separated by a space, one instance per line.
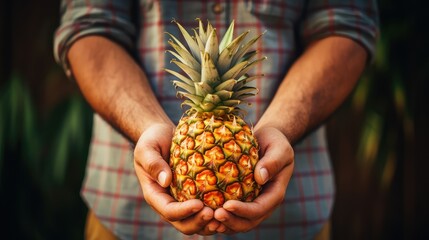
x=111 y=188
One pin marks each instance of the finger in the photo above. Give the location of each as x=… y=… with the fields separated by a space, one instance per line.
x=225 y=230
x=222 y=228
x=157 y=168
x=148 y=160
x=210 y=228
x=151 y=153
x=234 y=223
x=162 y=202
x=196 y=223
x=277 y=154
x=273 y=195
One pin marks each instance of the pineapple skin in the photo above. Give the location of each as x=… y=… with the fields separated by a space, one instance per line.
x=213 y=159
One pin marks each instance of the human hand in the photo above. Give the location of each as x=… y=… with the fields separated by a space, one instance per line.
x=155 y=176
x=273 y=171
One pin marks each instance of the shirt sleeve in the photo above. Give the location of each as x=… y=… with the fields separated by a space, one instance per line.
x=79 y=18
x=355 y=19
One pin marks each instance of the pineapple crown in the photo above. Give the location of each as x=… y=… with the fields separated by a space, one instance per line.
x=217 y=73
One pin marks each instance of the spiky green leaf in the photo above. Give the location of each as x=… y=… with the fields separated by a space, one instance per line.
x=195 y=99
x=245 y=79
x=189 y=88
x=192 y=105
x=244 y=49
x=227 y=37
x=207 y=106
x=209 y=29
x=201 y=32
x=192 y=44
x=225 y=57
x=212 y=98
x=194 y=75
x=180 y=76
x=250 y=66
x=212 y=46
x=224 y=94
x=227 y=85
x=178 y=42
x=231 y=102
x=200 y=43
x=202 y=89
x=209 y=73
x=234 y=71
x=185 y=56
x=248 y=56
x=243 y=91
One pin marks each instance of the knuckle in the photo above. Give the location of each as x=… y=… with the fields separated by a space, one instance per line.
x=137 y=152
x=170 y=214
x=168 y=217
x=291 y=152
x=151 y=166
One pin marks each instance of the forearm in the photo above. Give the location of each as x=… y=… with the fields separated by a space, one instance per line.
x=315 y=86
x=115 y=86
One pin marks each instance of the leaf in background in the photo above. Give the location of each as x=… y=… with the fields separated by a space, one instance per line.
x=370 y=139
x=381 y=58
x=399 y=97
x=30 y=137
x=2 y=130
x=77 y=123
x=360 y=96
x=70 y=139
x=60 y=152
x=13 y=100
x=388 y=170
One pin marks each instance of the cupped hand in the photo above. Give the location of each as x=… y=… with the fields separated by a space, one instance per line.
x=155 y=176
x=273 y=171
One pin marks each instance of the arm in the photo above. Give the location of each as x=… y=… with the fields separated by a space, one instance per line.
x=115 y=86
x=117 y=89
x=315 y=86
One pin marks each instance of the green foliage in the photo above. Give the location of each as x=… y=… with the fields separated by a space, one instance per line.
x=42 y=164
x=18 y=122
x=384 y=95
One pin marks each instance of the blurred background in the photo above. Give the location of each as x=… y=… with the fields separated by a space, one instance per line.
x=376 y=137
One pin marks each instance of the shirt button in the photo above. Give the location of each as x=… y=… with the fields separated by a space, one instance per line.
x=217 y=8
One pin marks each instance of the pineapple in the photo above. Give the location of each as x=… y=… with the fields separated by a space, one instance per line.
x=213 y=151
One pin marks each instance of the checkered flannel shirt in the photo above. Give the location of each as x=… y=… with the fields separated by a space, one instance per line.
x=111 y=188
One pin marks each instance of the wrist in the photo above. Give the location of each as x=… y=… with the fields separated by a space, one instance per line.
x=292 y=130
x=155 y=123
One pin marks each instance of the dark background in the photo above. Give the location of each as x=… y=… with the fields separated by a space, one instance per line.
x=377 y=138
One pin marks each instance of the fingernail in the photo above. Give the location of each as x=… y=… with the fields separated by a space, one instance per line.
x=162 y=176
x=264 y=174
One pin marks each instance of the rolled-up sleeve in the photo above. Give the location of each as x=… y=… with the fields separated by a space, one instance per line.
x=355 y=19
x=79 y=18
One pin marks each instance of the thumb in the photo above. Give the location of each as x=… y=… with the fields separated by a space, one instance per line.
x=148 y=156
x=276 y=154
x=156 y=167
